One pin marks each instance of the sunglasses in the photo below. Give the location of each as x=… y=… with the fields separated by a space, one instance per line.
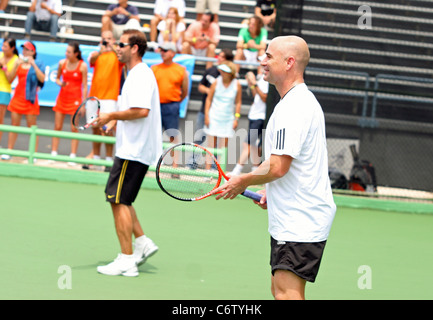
x=122 y=44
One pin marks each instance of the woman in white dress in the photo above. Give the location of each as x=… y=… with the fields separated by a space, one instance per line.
x=223 y=106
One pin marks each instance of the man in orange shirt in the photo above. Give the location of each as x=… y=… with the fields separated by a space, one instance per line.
x=172 y=79
x=105 y=84
x=202 y=37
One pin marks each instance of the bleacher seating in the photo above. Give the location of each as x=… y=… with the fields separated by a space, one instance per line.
x=84 y=18
x=398 y=43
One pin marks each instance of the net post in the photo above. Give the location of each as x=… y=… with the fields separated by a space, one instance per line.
x=32 y=143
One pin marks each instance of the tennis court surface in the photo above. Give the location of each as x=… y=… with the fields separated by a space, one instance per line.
x=54 y=234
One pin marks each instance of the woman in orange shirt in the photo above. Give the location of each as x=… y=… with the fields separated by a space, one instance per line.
x=31 y=77
x=72 y=79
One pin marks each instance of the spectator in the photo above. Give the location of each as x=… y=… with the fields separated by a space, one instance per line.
x=202 y=38
x=8 y=58
x=72 y=79
x=160 y=12
x=223 y=107
x=208 y=78
x=172 y=29
x=31 y=77
x=251 y=41
x=172 y=79
x=201 y=6
x=43 y=15
x=105 y=85
x=119 y=17
x=3 y=5
x=267 y=11
x=256 y=117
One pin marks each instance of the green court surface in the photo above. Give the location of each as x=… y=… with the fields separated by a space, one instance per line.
x=54 y=234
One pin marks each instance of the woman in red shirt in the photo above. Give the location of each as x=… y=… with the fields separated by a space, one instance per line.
x=31 y=77
x=72 y=79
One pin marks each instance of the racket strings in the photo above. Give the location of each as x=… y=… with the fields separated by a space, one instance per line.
x=183 y=173
x=86 y=113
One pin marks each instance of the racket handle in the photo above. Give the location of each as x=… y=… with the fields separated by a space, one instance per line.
x=252 y=195
x=104 y=127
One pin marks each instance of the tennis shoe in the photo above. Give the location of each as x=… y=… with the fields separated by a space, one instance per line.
x=144 y=248
x=72 y=156
x=122 y=266
x=5 y=157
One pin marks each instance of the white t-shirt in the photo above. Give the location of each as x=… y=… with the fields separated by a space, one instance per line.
x=301 y=207
x=140 y=139
x=162 y=6
x=180 y=27
x=258 y=108
x=43 y=14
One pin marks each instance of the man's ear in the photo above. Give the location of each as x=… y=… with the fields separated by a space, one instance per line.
x=290 y=63
x=134 y=48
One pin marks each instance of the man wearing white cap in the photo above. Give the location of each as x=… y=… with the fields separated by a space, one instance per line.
x=172 y=79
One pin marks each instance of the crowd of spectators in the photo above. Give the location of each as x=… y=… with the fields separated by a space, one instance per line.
x=169 y=35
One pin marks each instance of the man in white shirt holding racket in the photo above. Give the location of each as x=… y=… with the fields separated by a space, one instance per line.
x=138 y=145
x=298 y=193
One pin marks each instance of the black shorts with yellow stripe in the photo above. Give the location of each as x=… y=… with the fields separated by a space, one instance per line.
x=124 y=182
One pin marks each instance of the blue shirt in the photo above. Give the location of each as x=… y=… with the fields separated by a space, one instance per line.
x=121 y=18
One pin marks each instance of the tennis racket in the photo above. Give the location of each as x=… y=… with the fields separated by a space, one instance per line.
x=181 y=173
x=86 y=114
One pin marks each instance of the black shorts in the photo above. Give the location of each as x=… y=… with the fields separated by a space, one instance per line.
x=301 y=258
x=124 y=182
x=255 y=129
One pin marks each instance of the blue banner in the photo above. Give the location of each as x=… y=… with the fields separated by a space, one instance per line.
x=51 y=53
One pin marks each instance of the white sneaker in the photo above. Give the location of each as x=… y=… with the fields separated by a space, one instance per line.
x=144 y=248
x=72 y=156
x=5 y=157
x=122 y=266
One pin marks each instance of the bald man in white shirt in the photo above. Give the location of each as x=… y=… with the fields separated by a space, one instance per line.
x=298 y=193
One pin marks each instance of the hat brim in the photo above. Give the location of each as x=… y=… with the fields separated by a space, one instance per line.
x=28 y=46
x=224 y=68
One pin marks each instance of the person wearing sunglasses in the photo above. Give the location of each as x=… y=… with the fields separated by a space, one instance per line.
x=172 y=79
x=107 y=72
x=138 y=145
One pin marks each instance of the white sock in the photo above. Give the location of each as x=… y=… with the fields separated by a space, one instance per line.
x=72 y=155
x=54 y=153
x=140 y=239
x=127 y=256
x=238 y=169
x=109 y=158
x=96 y=157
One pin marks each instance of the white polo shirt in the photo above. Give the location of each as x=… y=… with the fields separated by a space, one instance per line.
x=140 y=139
x=300 y=204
